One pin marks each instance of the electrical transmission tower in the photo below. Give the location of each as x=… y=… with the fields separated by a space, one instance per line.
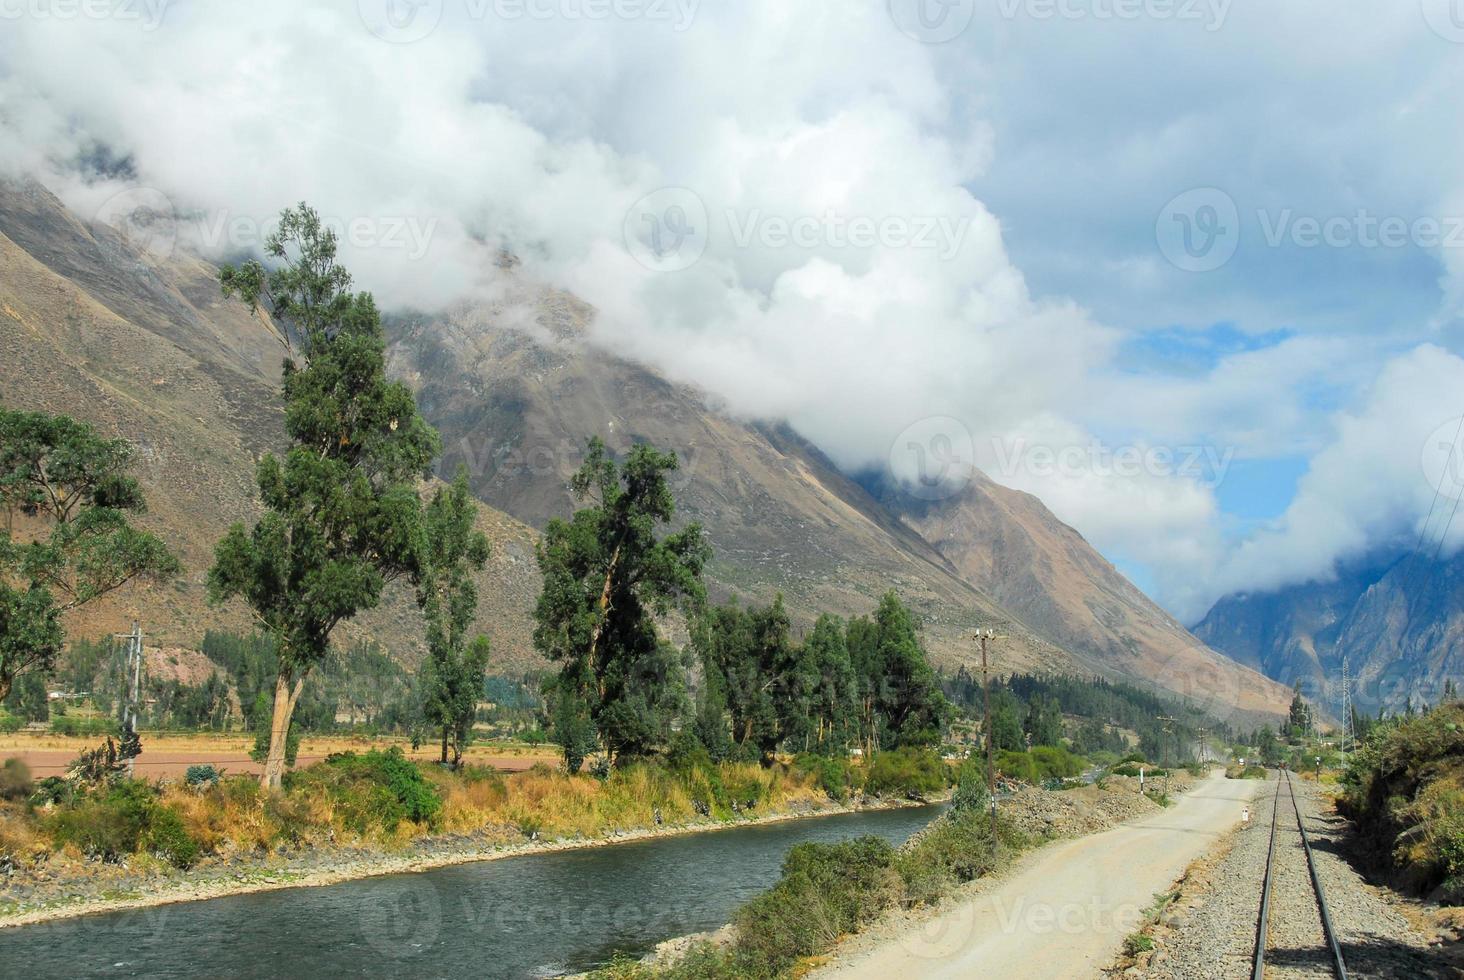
x=1347 y=733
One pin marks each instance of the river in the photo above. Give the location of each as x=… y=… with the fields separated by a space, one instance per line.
x=536 y=915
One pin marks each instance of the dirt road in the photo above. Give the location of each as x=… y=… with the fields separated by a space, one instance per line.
x=1065 y=911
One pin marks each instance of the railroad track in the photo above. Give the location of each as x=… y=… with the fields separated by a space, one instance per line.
x=1263 y=923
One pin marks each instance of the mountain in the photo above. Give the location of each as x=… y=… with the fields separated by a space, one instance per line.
x=142 y=345
x=1011 y=547
x=1398 y=621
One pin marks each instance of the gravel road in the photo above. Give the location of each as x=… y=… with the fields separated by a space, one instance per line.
x=1210 y=934
x=1066 y=911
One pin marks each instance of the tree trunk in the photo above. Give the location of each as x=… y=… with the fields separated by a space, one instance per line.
x=4 y=688
x=444 y=745
x=604 y=611
x=286 y=695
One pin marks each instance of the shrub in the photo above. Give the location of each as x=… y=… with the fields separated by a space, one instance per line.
x=199 y=776
x=377 y=789
x=10 y=724
x=906 y=772
x=955 y=849
x=835 y=776
x=826 y=890
x=125 y=819
x=15 y=780
x=168 y=839
x=971 y=793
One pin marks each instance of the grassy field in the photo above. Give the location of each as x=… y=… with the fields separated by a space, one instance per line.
x=170 y=755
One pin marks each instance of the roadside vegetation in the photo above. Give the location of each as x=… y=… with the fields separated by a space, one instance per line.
x=1404 y=788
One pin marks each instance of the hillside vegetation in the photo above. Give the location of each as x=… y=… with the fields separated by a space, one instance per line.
x=1405 y=790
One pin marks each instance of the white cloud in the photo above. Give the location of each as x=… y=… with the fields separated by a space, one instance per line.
x=792 y=125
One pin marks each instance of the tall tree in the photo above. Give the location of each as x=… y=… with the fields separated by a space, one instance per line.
x=342 y=512
x=69 y=539
x=908 y=696
x=606 y=575
x=453 y=678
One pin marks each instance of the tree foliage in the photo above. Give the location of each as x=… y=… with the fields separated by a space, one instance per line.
x=607 y=574
x=69 y=539
x=342 y=513
x=453 y=677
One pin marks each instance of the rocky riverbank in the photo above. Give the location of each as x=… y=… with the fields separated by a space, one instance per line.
x=55 y=887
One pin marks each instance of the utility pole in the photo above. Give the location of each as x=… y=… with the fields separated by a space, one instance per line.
x=132 y=677
x=1169 y=729
x=1204 y=734
x=985 y=635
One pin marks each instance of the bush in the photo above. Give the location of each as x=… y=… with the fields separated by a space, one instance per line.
x=377 y=789
x=15 y=780
x=10 y=724
x=826 y=890
x=955 y=849
x=906 y=772
x=835 y=776
x=971 y=793
x=201 y=776
x=125 y=819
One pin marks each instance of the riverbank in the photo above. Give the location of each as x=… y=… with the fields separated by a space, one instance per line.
x=145 y=882
x=854 y=902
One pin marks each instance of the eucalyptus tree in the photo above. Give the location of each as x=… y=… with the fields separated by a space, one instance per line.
x=341 y=508
x=69 y=539
x=607 y=575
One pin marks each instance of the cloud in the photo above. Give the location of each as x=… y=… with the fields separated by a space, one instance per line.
x=814 y=216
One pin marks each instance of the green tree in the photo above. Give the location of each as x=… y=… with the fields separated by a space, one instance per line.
x=1044 y=721
x=606 y=575
x=1299 y=719
x=833 y=701
x=454 y=675
x=908 y=695
x=74 y=541
x=1006 y=721
x=573 y=729
x=342 y=512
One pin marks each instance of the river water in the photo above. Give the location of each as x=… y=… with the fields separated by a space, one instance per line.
x=536 y=915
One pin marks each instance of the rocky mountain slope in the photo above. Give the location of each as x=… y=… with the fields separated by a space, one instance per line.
x=1399 y=622
x=143 y=345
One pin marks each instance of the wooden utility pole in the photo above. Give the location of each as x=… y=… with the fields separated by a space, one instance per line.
x=1169 y=728
x=983 y=636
